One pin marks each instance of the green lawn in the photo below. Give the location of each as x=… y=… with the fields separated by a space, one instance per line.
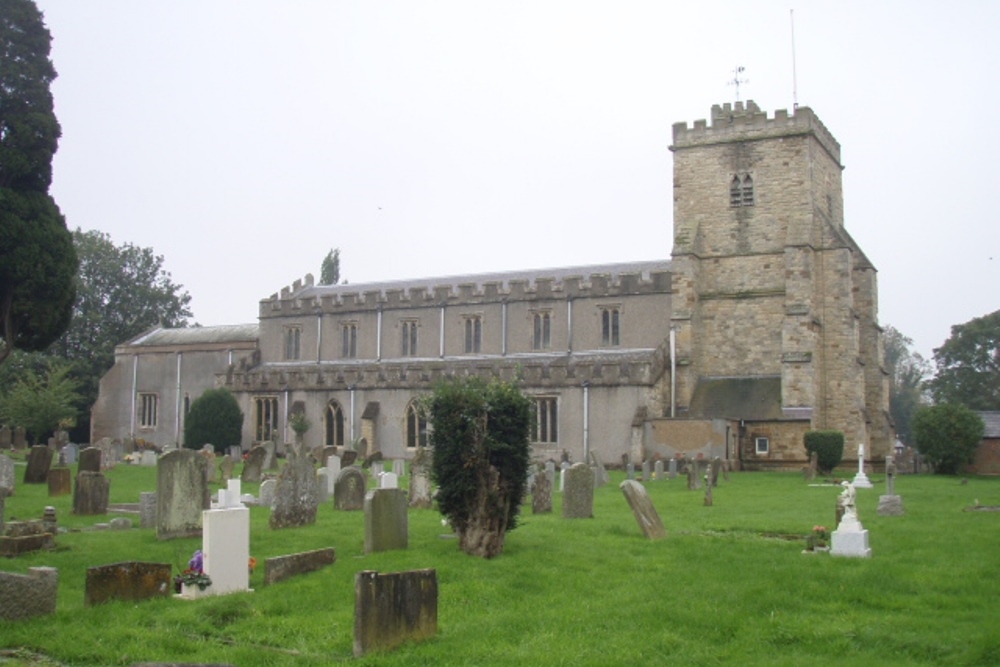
x=726 y=587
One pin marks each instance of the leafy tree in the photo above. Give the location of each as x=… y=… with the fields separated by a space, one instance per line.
x=330 y=272
x=907 y=371
x=215 y=417
x=42 y=402
x=37 y=262
x=968 y=365
x=947 y=435
x=480 y=461
x=829 y=448
x=122 y=291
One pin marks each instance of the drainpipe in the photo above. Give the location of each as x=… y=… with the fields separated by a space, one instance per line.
x=586 y=421
x=135 y=380
x=378 y=336
x=353 y=433
x=285 y=429
x=569 y=326
x=503 y=328
x=177 y=404
x=673 y=372
x=319 y=337
x=441 y=343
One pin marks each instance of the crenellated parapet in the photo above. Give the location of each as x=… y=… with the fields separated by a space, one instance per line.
x=613 y=280
x=733 y=123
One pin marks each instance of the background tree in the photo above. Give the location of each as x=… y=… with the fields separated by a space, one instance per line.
x=907 y=372
x=480 y=460
x=121 y=292
x=968 y=365
x=330 y=271
x=37 y=262
x=42 y=402
x=947 y=435
x=214 y=418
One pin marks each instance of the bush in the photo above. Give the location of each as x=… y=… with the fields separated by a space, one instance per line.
x=829 y=448
x=480 y=459
x=947 y=435
x=214 y=418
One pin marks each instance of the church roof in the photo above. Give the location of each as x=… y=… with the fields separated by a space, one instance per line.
x=643 y=269
x=227 y=333
x=751 y=398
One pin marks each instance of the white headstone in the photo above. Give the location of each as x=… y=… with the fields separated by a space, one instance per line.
x=388 y=480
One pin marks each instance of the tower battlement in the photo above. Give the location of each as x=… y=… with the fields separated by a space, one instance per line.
x=739 y=122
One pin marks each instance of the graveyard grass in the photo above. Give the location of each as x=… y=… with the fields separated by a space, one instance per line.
x=729 y=585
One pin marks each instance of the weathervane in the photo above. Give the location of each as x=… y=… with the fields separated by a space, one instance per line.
x=736 y=80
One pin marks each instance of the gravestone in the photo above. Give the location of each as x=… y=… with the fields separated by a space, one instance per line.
x=6 y=475
x=578 y=495
x=70 y=454
x=541 y=494
x=850 y=538
x=861 y=480
x=399 y=467
x=296 y=496
x=131 y=581
x=672 y=468
x=235 y=453
x=266 y=493
x=226 y=468
x=890 y=504
x=629 y=470
x=280 y=568
x=90 y=460
x=692 y=476
x=270 y=461
x=716 y=467
x=813 y=468
x=658 y=469
x=322 y=485
x=600 y=472
x=120 y=523
x=3 y=502
x=181 y=494
x=645 y=471
x=349 y=490
x=348 y=458
x=147 y=509
x=28 y=595
x=6 y=439
x=332 y=472
x=393 y=609
x=147 y=458
x=90 y=497
x=388 y=480
x=211 y=472
x=643 y=510
x=386 y=520
x=39 y=462
x=325 y=454
x=226 y=545
x=253 y=466
x=60 y=482
x=20 y=438
x=420 y=480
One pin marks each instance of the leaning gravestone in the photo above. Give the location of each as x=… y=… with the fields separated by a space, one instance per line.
x=349 y=490
x=643 y=510
x=578 y=494
x=131 y=581
x=90 y=497
x=39 y=462
x=420 y=480
x=297 y=495
x=90 y=460
x=271 y=459
x=254 y=465
x=280 y=568
x=181 y=494
x=541 y=494
x=28 y=595
x=6 y=475
x=348 y=458
x=386 y=521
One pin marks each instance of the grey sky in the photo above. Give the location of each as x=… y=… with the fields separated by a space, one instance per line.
x=243 y=139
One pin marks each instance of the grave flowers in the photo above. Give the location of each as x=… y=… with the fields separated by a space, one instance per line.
x=817 y=539
x=194 y=574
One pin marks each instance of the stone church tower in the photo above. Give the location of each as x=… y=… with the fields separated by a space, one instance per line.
x=774 y=304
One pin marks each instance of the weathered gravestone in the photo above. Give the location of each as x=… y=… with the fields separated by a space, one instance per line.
x=131 y=581
x=658 y=469
x=296 y=497
x=90 y=460
x=349 y=490
x=147 y=509
x=541 y=494
x=226 y=468
x=325 y=453
x=890 y=504
x=39 y=462
x=270 y=461
x=672 y=469
x=90 y=497
x=266 y=493
x=5 y=437
x=20 y=438
x=713 y=474
x=386 y=521
x=147 y=458
x=181 y=494
x=6 y=475
x=643 y=510
x=253 y=465
x=60 y=482
x=28 y=595
x=578 y=494
x=322 y=485
x=70 y=453
x=348 y=458
x=332 y=472
x=645 y=471
x=211 y=473
x=394 y=608
x=280 y=568
x=399 y=467
x=420 y=480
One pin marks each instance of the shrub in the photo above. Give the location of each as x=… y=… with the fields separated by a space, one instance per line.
x=215 y=418
x=947 y=435
x=480 y=459
x=829 y=448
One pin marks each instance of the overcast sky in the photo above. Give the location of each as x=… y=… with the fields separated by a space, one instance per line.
x=244 y=139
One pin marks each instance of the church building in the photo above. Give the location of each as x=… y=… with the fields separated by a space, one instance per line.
x=761 y=325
